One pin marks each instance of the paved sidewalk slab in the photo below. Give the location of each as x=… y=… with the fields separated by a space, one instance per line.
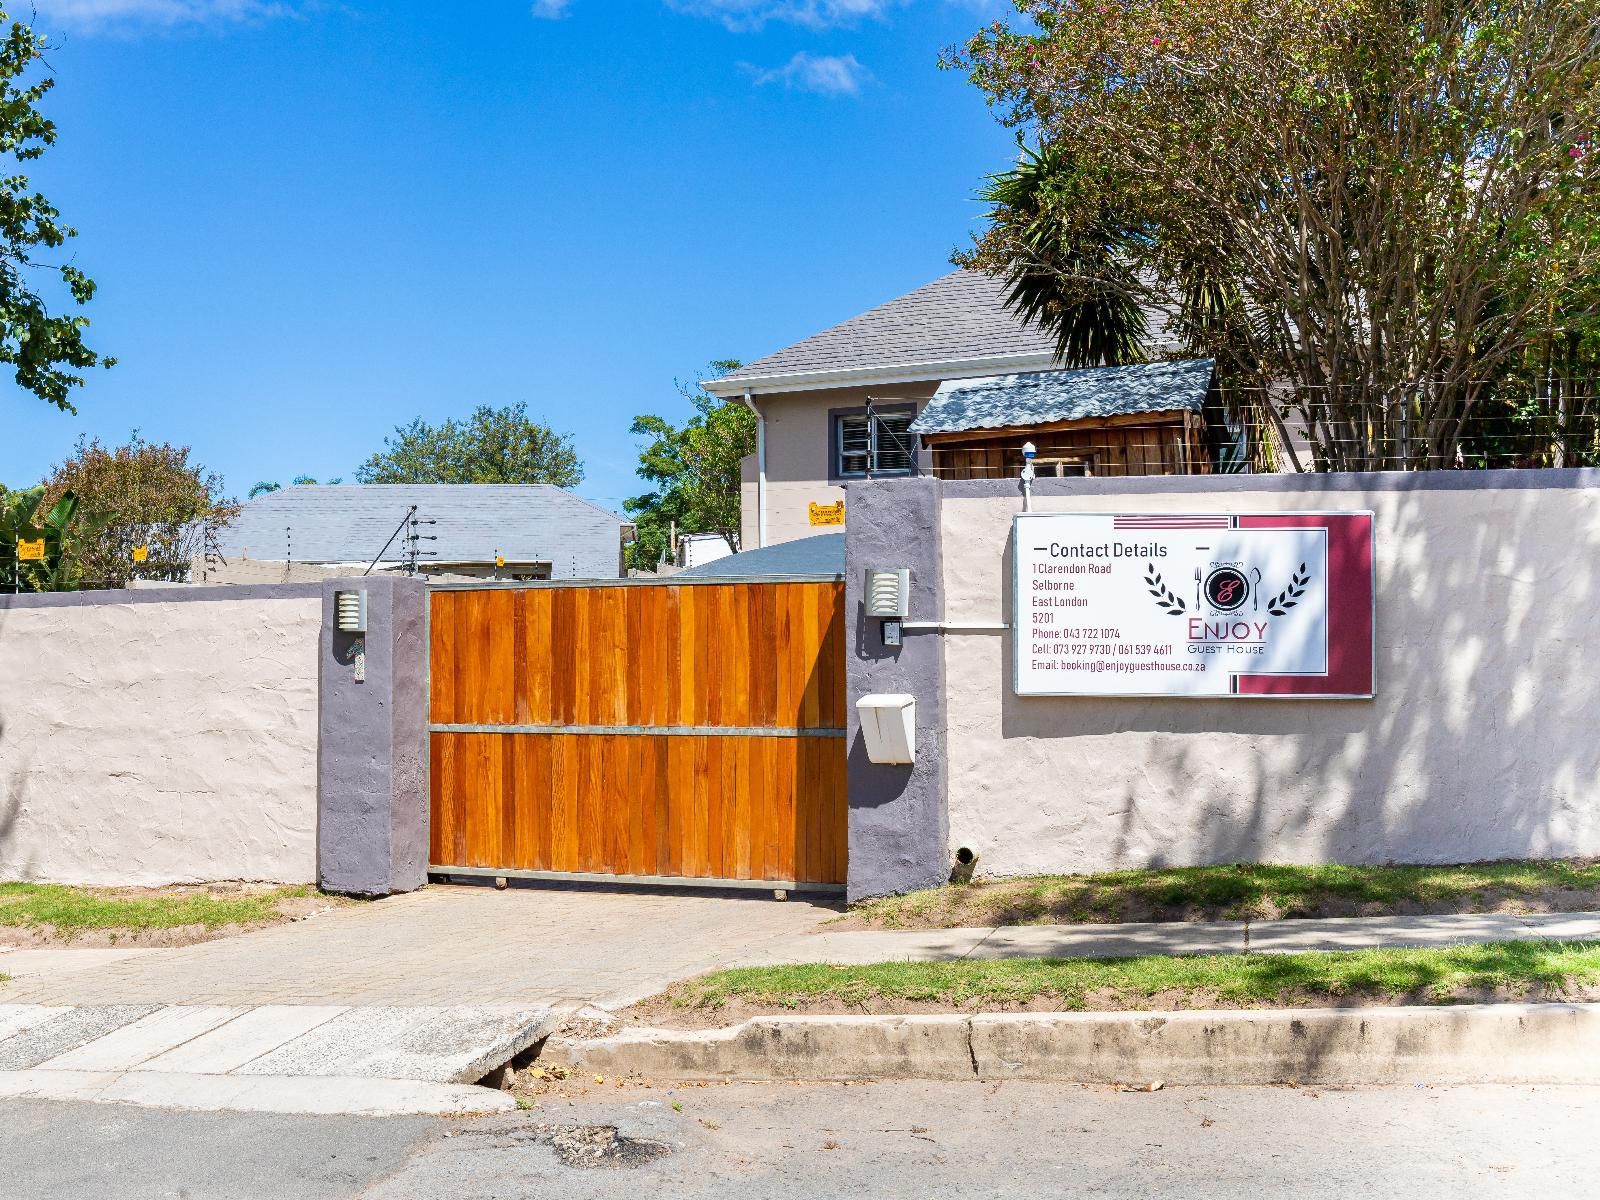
x=66 y=1031
x=1366 y=933
x=14 y=1018
x=242 y=1040
x=427 y=1045
x=1110 y=941
x=452 y=1045
x=22 y=963
x=446 y=946
x=259 y=1094
x=1129 y=940
x=134 y=1043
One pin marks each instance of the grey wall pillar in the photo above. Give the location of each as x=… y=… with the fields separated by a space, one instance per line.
x=899 y=820
x=372 y=786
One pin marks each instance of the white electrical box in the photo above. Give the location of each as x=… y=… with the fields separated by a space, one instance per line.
x=888 y=592
x=889 y=727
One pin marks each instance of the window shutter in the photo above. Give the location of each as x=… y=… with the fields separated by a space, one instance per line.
x=855 y=445
x=892 y=443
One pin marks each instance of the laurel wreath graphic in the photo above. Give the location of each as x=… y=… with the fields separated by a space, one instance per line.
x=1163 y=594
x=1290 y=596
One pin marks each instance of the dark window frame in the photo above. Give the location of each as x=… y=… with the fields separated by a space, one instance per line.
x=836 y=417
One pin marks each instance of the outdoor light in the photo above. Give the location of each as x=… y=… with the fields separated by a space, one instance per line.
x=888 y=598
x=350 y=612
x=1029 y=450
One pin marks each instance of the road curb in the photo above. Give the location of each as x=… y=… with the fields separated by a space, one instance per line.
x=1459 y=1044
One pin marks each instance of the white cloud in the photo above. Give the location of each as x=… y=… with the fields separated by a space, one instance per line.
x=741 y=15
x=98 y=15
x=825 y=74
x=551 y=10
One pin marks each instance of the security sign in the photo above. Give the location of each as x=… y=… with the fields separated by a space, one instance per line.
x=31 y=551
x=1203 y=604
x=141 y=553
x=826 y=514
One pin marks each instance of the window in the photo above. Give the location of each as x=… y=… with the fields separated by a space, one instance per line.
x=1059 y=468
x=877 y=445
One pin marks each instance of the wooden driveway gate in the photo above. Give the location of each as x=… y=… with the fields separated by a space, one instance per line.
x=639 y=731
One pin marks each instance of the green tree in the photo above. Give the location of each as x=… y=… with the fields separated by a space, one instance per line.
x=1385 y=208
x=696 y=471
x=139 y=496
x=45 y=347
x=24 y=519
x=493 y=445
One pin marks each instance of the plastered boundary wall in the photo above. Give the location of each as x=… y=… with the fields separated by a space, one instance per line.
x=202 y=734
x=1482 y=741
x=163 y=736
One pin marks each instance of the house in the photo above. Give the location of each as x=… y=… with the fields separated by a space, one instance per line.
x=944 y=380
x=486 y=531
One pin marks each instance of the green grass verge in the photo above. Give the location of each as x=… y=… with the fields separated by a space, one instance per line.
x=70 y=910
x=1239 y=979
x=1229 y=892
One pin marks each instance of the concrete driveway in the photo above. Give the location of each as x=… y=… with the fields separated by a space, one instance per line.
x=448 y=946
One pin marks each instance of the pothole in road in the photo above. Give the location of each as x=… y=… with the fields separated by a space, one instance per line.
x=603 y=1146
x=583 y=1147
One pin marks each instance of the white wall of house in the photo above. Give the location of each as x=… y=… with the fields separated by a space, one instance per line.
x=1481 y=743
x=800 y=456
x=155 y=742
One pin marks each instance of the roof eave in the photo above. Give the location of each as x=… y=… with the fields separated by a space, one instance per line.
x=730 y=387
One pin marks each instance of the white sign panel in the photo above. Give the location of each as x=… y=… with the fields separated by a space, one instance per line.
x=1204 y=604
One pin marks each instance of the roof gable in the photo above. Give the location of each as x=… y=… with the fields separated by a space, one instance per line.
x=959 y=316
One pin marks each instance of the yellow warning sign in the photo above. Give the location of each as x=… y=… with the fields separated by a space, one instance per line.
x=31 y=551
x=499 y=560
x=141 y=553
x=827 y=514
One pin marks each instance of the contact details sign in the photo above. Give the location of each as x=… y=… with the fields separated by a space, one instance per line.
x=1194 y=604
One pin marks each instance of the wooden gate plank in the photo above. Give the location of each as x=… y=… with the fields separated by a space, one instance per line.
x=702 y=657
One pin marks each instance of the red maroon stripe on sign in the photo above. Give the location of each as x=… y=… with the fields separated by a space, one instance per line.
x=1170 y=523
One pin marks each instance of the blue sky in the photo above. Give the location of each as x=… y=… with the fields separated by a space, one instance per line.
x=311 y=222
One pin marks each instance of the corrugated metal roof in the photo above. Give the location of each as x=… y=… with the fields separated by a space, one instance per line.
x=349 y=523
x=820 y=554
x=1044 y=397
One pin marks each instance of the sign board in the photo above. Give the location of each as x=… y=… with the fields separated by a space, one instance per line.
x=827 y=514
x=141 y=553
x=31 y=551
x=1201 y=604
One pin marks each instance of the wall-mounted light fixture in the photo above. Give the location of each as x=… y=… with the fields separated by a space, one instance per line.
x=350 y=612
x=888 y=597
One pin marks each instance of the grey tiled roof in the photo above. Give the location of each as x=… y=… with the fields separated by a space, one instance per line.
x=820 y=554
x=1043 y=397
x=350 y=523
x=961 y=315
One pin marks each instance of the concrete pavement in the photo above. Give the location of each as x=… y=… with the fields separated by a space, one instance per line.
x=385 y=1007
x=884 y=1141
x=437 y=987
x=315 y=1058
x=449 y=946
x=1205 y=937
